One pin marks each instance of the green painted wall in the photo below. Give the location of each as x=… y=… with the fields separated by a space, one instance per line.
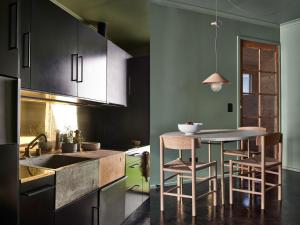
x=182 y=57
x=290 y=76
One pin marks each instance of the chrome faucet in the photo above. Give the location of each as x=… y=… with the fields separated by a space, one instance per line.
x=33 y=143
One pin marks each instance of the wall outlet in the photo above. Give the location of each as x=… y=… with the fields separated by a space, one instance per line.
x=190 y=159
x=229 y=107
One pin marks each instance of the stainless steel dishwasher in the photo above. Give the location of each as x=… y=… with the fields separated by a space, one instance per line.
x=112 y=203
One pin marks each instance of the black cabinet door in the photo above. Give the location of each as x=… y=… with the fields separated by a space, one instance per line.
x=84 y=211
x=9 y=14
x=37 y=201
x=92 y=64
x=116 y=74
x=52 y=44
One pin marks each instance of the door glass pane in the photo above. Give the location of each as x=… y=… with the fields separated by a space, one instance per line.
x=250 y=105
x=268 y=106
x=250 y=82
x=249 y=122
x=268 y=123
x=250 y=58
x=268 y=83
x=267 y=61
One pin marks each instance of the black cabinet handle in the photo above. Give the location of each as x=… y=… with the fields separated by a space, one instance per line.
x=38 y=190
x=134 y=165
x=93 y=215
x=13 y=26
x=80 y=69
x=26 y=51
x=133 y=187
x=74 y=67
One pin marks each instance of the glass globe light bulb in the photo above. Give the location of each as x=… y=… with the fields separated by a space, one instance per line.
x=216 y=87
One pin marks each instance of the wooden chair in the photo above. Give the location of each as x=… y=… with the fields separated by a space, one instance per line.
x=260 y=164
x=241 y=151
x=184 y=170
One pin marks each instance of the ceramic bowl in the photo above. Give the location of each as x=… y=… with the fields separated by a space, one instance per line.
x=90 y=146
x=189 y=129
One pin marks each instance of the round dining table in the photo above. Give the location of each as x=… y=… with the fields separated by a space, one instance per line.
x=220 y=136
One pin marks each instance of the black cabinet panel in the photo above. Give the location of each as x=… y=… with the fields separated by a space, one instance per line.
x=92 y=64
x=9 y=30
x=48 y=48
x=37 y=202
x=9 y=187
x=84 y=211
x=116 y=74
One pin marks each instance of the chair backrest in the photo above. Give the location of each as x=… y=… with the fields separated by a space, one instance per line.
x=271 y=140
x=253 y=129
x=179 y=142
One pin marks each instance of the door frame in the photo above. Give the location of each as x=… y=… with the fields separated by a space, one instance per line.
x=238 y=103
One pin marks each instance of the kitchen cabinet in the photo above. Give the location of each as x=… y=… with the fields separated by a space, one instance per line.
x=116 y=74
x=112 y=197
x=9 y=29
x=92 y=64
x=37 y=201
x=49 y=45
x=84 y=211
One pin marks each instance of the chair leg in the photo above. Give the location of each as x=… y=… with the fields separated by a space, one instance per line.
x=249 y=182
x=162 y=178
x=178 y=187
x=280 y=182
x=193 y=193
x=230 y=183
x=215 y=184
x=263 y=192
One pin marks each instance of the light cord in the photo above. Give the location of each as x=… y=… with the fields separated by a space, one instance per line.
x=216 y=36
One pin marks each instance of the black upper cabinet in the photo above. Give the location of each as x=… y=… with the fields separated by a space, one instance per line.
x=116 y=74
x=48 y=48
x=9 y=29
x=91 y=64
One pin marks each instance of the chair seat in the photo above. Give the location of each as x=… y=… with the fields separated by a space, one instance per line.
x=256 y=161
x=239 y=152
x=179 y=165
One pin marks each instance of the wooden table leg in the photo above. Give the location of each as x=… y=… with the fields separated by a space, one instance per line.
x=209 y=168
x=222 y=173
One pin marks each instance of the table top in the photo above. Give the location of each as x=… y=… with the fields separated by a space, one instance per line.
x=224 y=135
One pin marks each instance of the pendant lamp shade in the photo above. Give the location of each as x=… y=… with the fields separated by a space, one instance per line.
x=215 y=81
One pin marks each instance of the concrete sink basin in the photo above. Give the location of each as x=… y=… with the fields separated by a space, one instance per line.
x=75 y=176
x=52 y=161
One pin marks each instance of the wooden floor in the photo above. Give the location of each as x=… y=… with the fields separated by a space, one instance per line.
x=287 y=213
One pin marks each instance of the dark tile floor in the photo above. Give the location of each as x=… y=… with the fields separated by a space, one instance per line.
x=285 y=213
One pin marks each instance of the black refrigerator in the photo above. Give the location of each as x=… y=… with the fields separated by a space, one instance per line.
x=9 y=158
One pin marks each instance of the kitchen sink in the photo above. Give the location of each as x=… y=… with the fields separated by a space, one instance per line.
x=52 y=161
x=74 y=176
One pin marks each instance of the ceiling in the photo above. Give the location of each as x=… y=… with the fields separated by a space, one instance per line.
x=269 y=11
x=127 y=20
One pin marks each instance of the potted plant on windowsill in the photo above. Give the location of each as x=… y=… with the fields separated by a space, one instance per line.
x=68 y=145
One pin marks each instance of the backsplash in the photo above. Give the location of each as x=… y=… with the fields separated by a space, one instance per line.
x=47 y=117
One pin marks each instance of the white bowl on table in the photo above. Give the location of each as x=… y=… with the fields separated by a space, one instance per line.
x=190 y=129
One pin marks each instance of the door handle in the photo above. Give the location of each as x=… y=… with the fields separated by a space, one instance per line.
x=38 y=190
x=13 y=26
x=93 y=215
x=26 y=50
x=74 y=67
x=80 y=69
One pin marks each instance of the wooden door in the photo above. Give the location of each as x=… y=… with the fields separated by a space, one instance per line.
x=260 y=86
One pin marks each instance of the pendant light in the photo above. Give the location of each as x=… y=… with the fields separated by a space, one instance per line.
x=216 y=80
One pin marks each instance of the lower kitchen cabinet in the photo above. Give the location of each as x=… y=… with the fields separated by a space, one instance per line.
x=112 y=203
x=84 y=211
x=37 y=201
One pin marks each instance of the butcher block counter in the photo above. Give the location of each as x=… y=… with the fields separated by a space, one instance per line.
x=111 y=164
